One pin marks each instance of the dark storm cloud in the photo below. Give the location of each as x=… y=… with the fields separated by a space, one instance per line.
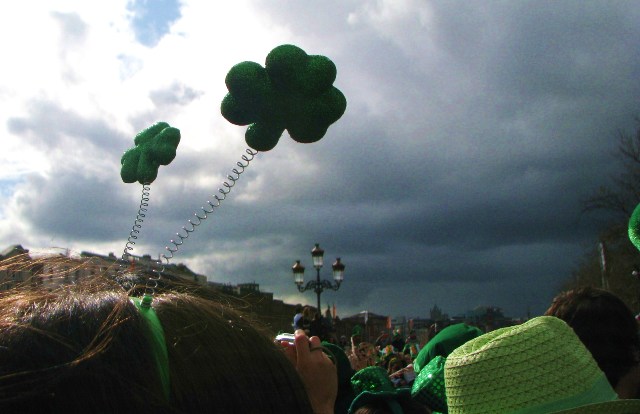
x=94 y=211
x=470 y=140
x=455 y=177
x=49 y=126
x=85 y=198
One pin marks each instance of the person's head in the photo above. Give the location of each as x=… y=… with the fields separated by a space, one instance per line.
x=307 y=313
x=604 y=324
x=365 y=349
x=433 y=331
x=298 y=308
x=87 y=347
x=396 y=364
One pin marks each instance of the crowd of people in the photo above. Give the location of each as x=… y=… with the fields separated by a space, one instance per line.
x=397 y=374
x=99 y=346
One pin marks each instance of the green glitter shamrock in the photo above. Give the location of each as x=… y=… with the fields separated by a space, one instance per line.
x=155 y=146
x=634 y=227
x=294 y=91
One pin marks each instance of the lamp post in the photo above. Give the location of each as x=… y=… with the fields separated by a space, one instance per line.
x=318 y=286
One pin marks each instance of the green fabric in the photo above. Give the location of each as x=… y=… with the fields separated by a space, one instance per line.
x=372 y=384
x=444 y=343
x=345 y=372
x=294 y=91
x=158 y=344
x=372 y=378
x=390 y=398
x=428 y=387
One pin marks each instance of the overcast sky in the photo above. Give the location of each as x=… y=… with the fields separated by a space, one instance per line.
x=472 y=133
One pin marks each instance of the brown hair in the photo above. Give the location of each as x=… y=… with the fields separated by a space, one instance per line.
x=604 y=324
x=86 y=347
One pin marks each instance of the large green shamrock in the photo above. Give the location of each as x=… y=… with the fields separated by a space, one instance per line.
x=155 y=146
x=293 y=91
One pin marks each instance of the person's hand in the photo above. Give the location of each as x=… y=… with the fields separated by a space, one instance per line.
x=317 y=371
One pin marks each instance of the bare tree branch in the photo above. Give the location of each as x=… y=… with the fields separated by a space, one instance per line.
x=623 y=194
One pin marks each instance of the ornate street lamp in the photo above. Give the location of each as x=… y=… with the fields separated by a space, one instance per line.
x=318 y=286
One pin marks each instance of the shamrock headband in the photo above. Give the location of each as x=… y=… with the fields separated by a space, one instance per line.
x=294 y=91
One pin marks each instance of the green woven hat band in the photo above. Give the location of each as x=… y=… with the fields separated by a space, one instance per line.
x=540 y=363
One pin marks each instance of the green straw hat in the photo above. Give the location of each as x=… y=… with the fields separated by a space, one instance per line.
x=540 y=366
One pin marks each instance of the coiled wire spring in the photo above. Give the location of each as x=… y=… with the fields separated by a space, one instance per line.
x=137 y=224
x=200 y=217
x=152 y=282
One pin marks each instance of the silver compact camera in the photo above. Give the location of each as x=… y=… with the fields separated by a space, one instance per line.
x=286 y=337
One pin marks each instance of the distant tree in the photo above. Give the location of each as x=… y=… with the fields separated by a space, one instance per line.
x=617 y=200
x=623 y=194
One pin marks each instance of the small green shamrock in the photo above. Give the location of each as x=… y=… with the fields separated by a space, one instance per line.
x=155 y=146
x=634 y=227
x=294 y=91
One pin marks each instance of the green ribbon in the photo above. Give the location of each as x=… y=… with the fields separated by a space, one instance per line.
x=158 y=344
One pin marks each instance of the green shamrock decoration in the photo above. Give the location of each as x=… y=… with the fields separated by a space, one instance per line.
x=634 y=227
x=294 y=91
x=155 y=146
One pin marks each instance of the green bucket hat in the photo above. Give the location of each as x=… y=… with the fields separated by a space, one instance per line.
x=540 y=366
x=444 y=342
x=345 y=372
x=373 y=384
